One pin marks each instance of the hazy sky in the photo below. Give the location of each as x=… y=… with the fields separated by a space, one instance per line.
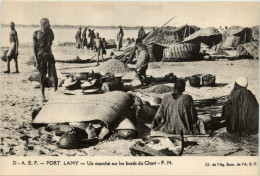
x=202 y=14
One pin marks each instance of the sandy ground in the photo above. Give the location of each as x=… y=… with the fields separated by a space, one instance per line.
x=19 y=98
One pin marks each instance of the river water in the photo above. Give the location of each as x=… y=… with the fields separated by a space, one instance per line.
x=61 y=35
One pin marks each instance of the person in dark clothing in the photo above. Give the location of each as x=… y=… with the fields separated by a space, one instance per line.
x=177 y=113
x=78 y=38
x=141 y=33
x=92 y=37
x=84 y=38
x=242 y=110
x=142 y=60
x=44 y=60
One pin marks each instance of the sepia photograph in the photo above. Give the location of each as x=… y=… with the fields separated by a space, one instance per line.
x=129 y=78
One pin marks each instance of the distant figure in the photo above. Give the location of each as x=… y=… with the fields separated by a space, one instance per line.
x=142 y=60
x=91 y=36
x=177 y=113
x=141 y=33
x=84 y=38
x=119 y=38
x=104 y=43
x=99 y=47
x=225 y=27
x=13 y=49
x=45 y=62
x=78 y=38
x=242 y=111
x=127 y=42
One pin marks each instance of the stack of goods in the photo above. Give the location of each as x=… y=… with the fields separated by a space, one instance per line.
x=206 y=80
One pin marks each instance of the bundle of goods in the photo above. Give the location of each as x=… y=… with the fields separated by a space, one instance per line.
x=3 y=55
x=194 y=81
x=111 y=82
x=113 y=66
x=36 y=77
x=208 y=80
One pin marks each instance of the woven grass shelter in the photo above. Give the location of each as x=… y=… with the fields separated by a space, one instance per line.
x=163 y=44
x=209 y=36
x=167 y=46
x=230 y=41
x=251 y=49
x=255 y=33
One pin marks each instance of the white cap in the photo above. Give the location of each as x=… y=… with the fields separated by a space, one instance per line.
x=242 y=81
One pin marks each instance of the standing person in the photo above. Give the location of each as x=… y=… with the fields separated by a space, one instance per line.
x=141 y=33
x=84 y=38
x=177 y=113
x=242 y=112
x=119 y=38
x=99 y=46
x=13 y=49
x=78 y=38
x=91 y=36
x=45 y=62
x=142 y=61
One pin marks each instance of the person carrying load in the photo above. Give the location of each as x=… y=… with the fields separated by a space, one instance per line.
x=142 y=60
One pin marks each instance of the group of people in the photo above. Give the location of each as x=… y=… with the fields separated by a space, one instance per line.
x=176 y=113
x=82 y=38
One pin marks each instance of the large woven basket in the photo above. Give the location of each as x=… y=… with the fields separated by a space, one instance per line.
x=181 y=52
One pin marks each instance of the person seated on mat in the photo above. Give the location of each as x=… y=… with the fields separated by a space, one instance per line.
x=177 y=112
x=142 y=60
x=242 y=110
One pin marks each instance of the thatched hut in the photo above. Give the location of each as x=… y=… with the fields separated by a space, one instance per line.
x=250 y=49
x=167 y=46
x=255 y=33
x=234 y=36
x=209 y=36
x=164 y=44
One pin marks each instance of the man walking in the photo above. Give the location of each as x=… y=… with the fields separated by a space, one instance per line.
x=13 y=49
x=45 y=62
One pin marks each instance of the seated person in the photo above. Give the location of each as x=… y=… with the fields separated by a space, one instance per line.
x=241 y=112
x=176 y=113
